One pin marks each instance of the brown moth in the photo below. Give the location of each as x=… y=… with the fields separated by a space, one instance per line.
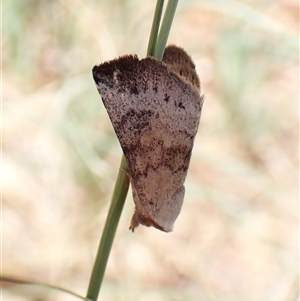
x=155 y=110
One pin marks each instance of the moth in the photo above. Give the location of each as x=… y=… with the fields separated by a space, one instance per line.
x=155 y=109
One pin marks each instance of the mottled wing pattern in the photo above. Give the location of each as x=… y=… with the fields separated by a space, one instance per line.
x=155 y=113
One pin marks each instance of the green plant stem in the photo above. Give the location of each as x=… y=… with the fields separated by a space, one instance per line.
x=112 y=220
x=165 y=29
x=155 y=27
x=40 y=284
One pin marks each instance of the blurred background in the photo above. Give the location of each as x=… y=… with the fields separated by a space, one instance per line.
x=237 y=235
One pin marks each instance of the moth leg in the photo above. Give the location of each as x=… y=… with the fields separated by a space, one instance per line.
x=134 y=222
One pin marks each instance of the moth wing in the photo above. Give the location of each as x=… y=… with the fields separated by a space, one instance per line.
x=155 y=113
x=182 y=64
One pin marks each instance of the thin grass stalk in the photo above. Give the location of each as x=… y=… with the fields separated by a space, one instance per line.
x=155 y=27
x=109 y=231
x=165 y=29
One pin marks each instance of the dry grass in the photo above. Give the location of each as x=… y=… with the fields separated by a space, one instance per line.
x=237 y=235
